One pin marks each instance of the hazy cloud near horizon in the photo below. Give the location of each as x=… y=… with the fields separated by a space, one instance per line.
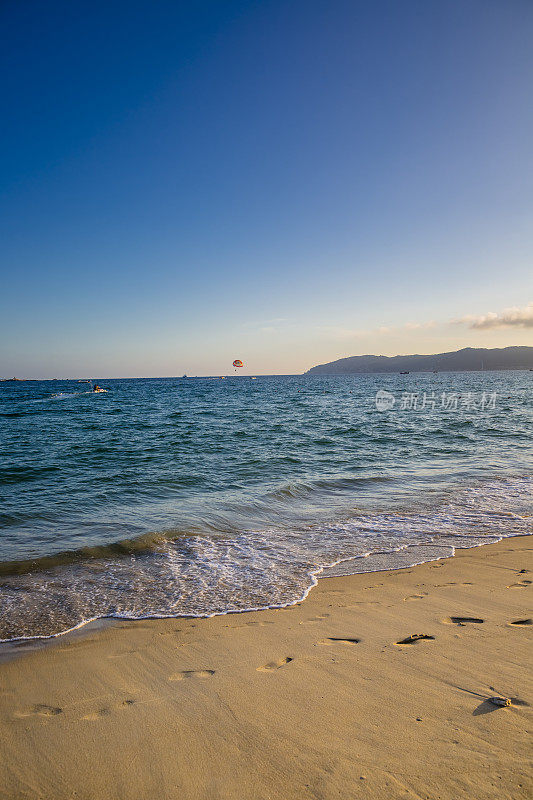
x=509 y=318
x=513 y=317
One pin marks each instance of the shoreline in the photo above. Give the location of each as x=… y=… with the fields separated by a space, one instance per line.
x=319 y=699
x=314 y=577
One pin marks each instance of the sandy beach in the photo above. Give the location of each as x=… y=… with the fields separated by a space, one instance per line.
x=320 y=700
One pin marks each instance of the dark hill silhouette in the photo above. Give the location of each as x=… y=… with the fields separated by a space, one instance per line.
x=470 y=358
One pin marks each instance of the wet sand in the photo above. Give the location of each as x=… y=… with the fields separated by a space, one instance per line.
x=327 y=699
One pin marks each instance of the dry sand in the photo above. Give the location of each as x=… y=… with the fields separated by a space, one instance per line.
x=315 y=701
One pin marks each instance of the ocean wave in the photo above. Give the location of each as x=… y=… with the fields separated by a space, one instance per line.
x=20 y=474
x=201 y=575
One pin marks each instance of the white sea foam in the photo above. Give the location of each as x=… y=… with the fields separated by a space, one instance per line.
x=207 y=575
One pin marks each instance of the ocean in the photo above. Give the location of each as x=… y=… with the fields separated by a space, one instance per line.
x=202 y=496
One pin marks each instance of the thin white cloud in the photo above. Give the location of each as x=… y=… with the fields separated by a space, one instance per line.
x=419 y=326
x=509 y=318
x=337 y=332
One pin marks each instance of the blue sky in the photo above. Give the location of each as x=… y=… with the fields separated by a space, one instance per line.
x=187 y=183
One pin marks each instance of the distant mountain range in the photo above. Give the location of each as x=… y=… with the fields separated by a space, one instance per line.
x=470 y=358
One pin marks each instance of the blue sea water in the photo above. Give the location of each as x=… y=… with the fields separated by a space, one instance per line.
x=175 y=497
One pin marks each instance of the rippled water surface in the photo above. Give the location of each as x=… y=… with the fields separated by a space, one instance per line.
x=202 y=496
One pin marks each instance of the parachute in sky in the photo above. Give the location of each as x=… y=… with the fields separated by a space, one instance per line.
x=238 y=363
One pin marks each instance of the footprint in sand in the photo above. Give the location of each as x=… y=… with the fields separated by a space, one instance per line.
x=247 y=624
x=169 y=633
x=359 y=603
x=415 y=637
x=272 y=665
x=105 y=711
x=95 y=715
x=463 y=620
x=338 y=640
x=319 y=618
x=192 y=673
x=521 y=622
x=40 y=710
x=416 y=596
x=519 y=585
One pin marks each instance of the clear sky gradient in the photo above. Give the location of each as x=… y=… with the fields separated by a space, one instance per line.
x=285 y=181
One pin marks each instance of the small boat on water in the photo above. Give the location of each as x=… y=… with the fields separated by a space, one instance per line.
x=404 y=373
